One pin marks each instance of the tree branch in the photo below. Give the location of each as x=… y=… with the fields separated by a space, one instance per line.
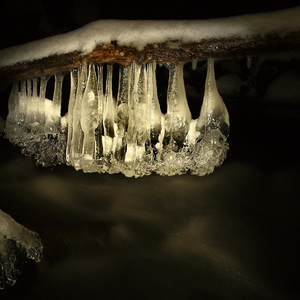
x=172 y=51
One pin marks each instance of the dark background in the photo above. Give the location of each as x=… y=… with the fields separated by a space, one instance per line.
x=230 y=235
x=23 y=21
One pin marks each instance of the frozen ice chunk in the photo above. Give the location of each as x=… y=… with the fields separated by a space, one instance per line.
x=16 y=244
x=128 y=134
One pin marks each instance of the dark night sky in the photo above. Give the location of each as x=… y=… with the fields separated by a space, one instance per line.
x=23 y=21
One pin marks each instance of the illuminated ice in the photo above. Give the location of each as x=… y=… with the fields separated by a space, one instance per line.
x=16 y=244
x=127 y=134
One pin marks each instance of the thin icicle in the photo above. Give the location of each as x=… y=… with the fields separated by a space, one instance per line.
x=72 y=100
x=155 y=116
x=41 y=102
x=89 y=116
x=122 y=110
x=98 y=131
x=108 y=114
x=77 y=137
x=194 y=64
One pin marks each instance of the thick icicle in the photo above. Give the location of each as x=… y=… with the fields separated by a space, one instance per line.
x=138 y=154
x=89 y=119
x=212 y=127
x=77 y=134
x=177 y=122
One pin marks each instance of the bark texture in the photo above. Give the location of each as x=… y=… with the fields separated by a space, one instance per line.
x=171 y=51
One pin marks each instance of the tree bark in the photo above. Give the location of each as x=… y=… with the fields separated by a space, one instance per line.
x=174 y=51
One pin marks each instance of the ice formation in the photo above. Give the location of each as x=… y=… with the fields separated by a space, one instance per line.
x=128 y=134
x=16 y=244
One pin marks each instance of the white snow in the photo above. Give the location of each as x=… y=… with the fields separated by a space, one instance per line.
x=141 y=32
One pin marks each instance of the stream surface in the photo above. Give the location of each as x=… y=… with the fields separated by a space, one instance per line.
x=229 y=235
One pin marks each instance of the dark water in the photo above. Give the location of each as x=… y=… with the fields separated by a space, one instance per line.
x=230 y=235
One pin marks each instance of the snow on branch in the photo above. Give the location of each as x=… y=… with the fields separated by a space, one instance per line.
x=146 y=41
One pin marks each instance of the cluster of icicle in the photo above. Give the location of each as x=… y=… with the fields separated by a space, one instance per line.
x=128 y=134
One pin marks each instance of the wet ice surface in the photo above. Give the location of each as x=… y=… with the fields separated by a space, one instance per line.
x=232 y=234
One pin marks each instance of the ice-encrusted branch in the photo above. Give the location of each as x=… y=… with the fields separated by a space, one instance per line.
x=146 y=41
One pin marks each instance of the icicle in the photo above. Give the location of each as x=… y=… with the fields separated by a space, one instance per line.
x=154 y=113
x=57 y=99
x=178 y=115
x=35 y=99
x=41 y=103
x=108 y=115
x=249 y=61
x=53 y=108
x=194 y=64
x=122 y=110
x=213 y=126
x=29 y=103
x=131 y=133
x=213 y=111
x=177 y=122
x=98 y=131
x=89 y=118
x=23 y=101
x=72 y=100
x=77 y=135
x=12 y=128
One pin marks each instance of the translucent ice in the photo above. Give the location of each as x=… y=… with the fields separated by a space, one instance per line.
x=128 y=134
x=33 y=121
x=212 y=128
x=16 y=244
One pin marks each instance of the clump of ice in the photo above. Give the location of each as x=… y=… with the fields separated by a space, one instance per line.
x=140 y=33
x=16 y=244
x=128 y=134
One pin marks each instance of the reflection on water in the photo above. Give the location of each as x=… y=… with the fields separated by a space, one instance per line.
x=226 y=235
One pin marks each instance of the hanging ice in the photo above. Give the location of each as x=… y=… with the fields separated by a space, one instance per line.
x=128 y=134
x=212 y=129
x=16 y=244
